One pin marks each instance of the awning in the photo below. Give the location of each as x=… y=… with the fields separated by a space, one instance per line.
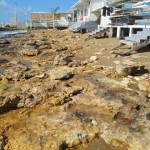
x=79 y=4
x=96 y=9
x=144 y=4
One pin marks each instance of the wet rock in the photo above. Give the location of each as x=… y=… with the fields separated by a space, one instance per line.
x=4 y=42
x=2 y=61
x=9 y=52
x=13 y=63
x=61 y=60
x=60 y=73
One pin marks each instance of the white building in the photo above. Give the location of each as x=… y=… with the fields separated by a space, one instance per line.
x=65 y=19
x=89 y=10
x=44 y=19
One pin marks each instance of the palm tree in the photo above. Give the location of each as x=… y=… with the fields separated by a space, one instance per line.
x=54 y=11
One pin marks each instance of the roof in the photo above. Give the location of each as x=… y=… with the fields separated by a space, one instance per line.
x=64 y=12
x=40 y=12
x=42 y=16
x=144 y=4
x=80 y=3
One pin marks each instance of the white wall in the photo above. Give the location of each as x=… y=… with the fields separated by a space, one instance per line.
x=96 y=4
x=36 y=25
x=94 y=16
x=93 y=10
x=105 y=20
x=64 y=19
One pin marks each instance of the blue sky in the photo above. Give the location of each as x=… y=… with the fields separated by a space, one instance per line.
x=24 y=7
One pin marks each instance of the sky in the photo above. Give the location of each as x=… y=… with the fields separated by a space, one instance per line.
x=24 y=7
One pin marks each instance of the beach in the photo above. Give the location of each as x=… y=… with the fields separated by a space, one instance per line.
x=65 y=91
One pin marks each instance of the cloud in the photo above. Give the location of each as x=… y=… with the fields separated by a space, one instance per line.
x=3 y=3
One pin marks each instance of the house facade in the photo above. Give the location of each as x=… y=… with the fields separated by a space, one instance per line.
x=89 y=10
x=39 y=20
x=86 y=10
x=44 y=19
x=65 y=18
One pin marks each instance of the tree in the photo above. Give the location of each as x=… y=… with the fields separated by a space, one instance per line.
x=54 y=11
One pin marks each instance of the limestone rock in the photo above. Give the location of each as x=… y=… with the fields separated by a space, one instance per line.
x=7 y=103
x=15 y=72
x=42 y=42
x=2 y=142
x=60 y=73
x=44 y=47
x=4 y=42
x=61 y=60
x=128 y=67
x=101 y=92
x=14 y=100
x=144 y=85
x=46 y=129
x=93 y=58
x=103 y=49
x=31 y=42
x=41 y=112
x=70 y=91
x=121 y=136
x=30 y=52
x=60 y=48
x=2 y=60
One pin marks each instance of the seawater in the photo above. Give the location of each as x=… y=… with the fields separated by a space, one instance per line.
x=4 y=34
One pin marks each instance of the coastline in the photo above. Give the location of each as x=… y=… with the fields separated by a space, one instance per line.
x=8 y=33
x=61 y=90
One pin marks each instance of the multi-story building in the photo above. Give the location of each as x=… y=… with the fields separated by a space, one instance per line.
x=90 y=10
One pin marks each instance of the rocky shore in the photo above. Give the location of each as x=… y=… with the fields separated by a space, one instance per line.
x=66 y=91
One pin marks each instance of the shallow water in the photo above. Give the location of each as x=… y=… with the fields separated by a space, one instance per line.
x=2 y=69
x=8 y=34
x=12 y=32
